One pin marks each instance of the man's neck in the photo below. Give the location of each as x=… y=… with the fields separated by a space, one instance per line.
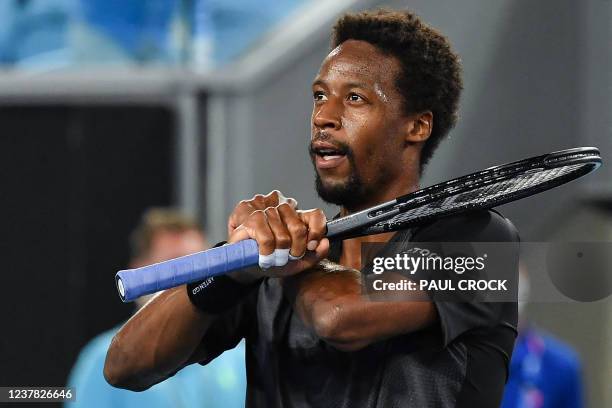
x=383 y=194
x=351 y=248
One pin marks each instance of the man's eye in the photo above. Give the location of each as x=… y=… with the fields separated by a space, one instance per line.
x=319 y=96
x=355 y=98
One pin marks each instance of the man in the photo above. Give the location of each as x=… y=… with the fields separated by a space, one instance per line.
x=162 y=234
x=384 y=97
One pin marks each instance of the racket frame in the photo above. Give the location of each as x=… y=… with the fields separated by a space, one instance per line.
x=357 y=224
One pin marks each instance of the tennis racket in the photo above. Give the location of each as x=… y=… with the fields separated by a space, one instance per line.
x=485 y=189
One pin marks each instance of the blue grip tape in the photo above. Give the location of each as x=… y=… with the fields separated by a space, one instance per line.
x=133 y=283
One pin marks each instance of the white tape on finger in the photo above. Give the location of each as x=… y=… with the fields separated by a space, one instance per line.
x=267 y=261
x=281 y=257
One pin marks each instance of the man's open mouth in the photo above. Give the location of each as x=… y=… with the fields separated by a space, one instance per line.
x=329 y=154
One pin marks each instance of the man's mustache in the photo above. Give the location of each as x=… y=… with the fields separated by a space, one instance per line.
x=341 y=147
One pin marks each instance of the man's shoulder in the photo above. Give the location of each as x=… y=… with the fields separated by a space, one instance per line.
x=477 y=226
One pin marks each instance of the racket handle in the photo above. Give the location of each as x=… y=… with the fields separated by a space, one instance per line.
x=133 y=283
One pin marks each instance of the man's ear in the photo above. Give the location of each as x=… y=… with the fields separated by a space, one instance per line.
x=419 y=126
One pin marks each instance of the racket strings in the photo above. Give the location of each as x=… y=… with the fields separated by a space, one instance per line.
x=493 y=193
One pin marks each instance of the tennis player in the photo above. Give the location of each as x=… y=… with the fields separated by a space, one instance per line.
x=384 y=98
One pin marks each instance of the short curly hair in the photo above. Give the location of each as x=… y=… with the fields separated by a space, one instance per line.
x=431 y=72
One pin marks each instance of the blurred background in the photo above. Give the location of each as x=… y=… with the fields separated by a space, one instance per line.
x=110 y=107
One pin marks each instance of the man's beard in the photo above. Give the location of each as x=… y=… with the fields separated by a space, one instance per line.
x=350 y=193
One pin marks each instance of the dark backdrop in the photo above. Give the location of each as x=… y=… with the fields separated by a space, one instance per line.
x=74 y=181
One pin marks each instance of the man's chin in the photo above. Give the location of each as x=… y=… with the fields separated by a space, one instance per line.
x=338 y=193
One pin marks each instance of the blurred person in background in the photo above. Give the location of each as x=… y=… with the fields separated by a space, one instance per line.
x=544 y=371
x=162 y=234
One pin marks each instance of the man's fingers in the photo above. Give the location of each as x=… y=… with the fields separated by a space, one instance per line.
x=275 y=198
x=281 y=236
x=281 y=232
x=242 y=211
x=258 y=202
x=292 y=202
x=239 y=234
x=322 y=250
x=311 y=258
x=297 y=230
x=247 y=207
x=257 y=227
x=317 y=226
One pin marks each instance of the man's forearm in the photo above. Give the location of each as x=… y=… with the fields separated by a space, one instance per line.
x=156 y=341
x=328 y=299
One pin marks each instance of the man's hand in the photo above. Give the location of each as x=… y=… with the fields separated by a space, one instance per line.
x=259 y=202
x=290 y=241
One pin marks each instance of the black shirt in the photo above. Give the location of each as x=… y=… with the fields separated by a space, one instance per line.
x=460 y=362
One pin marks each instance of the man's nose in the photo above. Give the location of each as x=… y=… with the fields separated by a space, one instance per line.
x=328 y=115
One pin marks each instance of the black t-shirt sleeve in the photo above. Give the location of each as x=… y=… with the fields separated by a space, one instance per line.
x=228 y=330
x=458 y=317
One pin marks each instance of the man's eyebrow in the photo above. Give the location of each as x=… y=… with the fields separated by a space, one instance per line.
x=357 y=85
x=320 y=82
